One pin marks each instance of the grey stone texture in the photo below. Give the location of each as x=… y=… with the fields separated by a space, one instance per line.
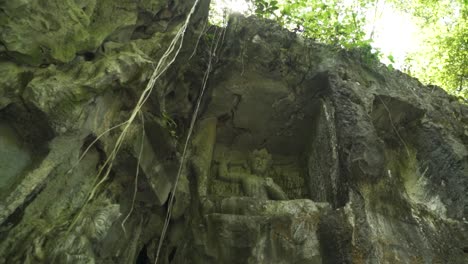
x=374 y=164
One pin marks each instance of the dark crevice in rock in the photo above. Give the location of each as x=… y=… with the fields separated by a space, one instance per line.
x=89 y=56
x=11 y=221
x=30 y=123
x=17 y=215
x=25 y=78
x=320 y=83
x=224 y=118
x=97 y=146
x=336 y=237
x=143 y=256
x=171 y=95
x=172 y=254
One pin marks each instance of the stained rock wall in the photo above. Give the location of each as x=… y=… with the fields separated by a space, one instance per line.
x=387 y=153
x=71 y=71
x=372 y=163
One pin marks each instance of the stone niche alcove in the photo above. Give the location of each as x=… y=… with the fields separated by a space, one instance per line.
x=294 y=124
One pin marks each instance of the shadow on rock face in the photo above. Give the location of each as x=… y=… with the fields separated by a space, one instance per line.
x=24 y=136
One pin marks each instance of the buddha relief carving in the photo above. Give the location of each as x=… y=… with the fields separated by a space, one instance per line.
x=254 y=183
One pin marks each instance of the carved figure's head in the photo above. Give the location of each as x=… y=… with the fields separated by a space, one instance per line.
x=260 y=161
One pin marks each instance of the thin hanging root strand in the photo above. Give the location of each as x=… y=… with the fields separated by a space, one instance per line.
x=136 y=175
x=164 y=63
x=212 y=53
x=198 y=40
x=94 y=142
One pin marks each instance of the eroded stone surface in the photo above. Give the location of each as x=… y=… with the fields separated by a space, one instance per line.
x=373 y=163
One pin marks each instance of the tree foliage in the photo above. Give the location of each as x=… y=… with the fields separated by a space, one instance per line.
x=327 y=21
x=443 y=57
x=441 y=60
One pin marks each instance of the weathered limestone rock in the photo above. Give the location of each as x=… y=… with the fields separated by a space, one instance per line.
x=266 y=232
x=374 y=143
x=70 y=76
x=42 y=32
x=373 y=165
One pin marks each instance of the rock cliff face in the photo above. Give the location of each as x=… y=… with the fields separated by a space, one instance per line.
x=358 y=164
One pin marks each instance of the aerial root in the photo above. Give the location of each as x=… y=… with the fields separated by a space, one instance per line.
x=137 y=173
x=164 y=63
x=212 y=54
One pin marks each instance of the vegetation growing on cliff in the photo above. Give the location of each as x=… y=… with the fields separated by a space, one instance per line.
x=438 y=32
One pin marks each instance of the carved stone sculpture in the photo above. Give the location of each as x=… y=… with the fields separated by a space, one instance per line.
x=254 y=184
